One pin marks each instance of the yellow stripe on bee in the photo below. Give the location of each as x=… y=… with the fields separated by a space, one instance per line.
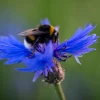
x=32 y=37
x=51 y=30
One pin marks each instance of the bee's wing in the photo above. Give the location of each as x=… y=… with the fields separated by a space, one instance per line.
x=31 y=32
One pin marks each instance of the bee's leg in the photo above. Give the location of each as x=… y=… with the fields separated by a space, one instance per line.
x=36 y=45
x=57 y=41
x=33 y=52
x=41 y=48
x=34 y=48
x=44 y=45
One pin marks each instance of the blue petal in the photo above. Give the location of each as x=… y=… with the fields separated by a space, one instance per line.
x=36 y=75
x=45 y=72
x=45 y=22
x=32 y=65
x=77 y=60
x=78 y=44
x=14 y=60
x=13 y=50
x=80 y=33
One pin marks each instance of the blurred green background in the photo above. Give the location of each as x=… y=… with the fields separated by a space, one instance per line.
x=82 y=82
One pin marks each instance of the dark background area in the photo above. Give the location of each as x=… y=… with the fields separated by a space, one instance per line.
x=82 y=82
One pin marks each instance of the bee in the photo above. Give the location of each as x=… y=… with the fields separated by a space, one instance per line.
x=40 y=35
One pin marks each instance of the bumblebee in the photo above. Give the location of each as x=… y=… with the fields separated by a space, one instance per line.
x=41 y=35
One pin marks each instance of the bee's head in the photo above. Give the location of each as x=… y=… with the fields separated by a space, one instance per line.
x=55 y=36
x=54 y=32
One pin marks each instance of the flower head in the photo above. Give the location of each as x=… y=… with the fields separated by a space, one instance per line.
x=41 y=64
x=44 y=64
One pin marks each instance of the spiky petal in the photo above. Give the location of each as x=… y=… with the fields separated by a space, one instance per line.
x=78 y=44
x=12 y=49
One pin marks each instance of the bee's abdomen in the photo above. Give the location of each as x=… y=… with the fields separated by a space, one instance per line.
x=29 y=40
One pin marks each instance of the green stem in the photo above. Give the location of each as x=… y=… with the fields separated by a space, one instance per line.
x=59 y=91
